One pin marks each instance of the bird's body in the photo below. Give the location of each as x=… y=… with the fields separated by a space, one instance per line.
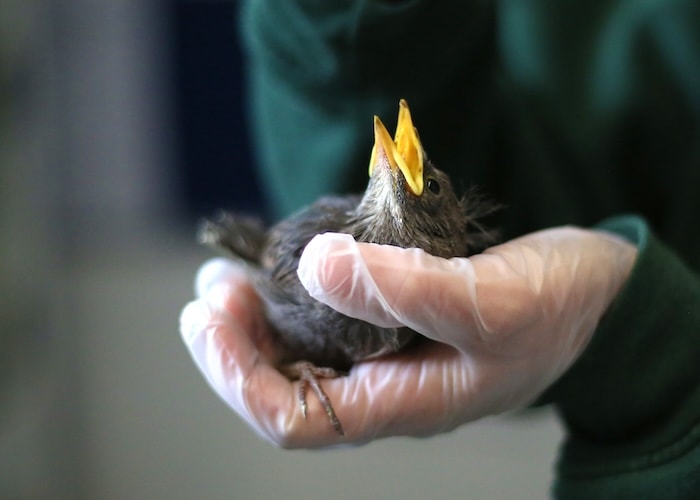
x=392 y=211
x=308 y=329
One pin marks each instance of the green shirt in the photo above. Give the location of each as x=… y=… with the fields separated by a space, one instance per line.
x=568 y=112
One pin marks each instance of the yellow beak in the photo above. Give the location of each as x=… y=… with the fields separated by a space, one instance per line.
x=404 y=152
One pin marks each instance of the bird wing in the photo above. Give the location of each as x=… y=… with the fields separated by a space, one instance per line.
x=287 y=240
x=240 y=235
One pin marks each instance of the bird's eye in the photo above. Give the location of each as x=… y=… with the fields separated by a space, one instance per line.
x=433 y=186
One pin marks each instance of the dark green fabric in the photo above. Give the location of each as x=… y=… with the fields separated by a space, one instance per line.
x=631 y=402
x=567 y=112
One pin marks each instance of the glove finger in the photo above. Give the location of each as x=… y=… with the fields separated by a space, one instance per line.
x=216 y=271
x=333 y=271
x=378 y=399
x=390 y=286
x=216 y=316
x=229 y=343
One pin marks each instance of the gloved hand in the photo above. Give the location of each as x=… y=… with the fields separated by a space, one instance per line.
x=507 y=323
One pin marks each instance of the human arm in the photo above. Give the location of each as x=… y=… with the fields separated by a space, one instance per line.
x=520 y=333
x=631 y=401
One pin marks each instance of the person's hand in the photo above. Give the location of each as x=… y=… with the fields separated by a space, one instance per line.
x=506 y=324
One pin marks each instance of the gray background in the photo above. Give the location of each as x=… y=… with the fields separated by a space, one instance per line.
x=98 y=397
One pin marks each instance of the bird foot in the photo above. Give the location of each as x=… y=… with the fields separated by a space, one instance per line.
x=308 y=374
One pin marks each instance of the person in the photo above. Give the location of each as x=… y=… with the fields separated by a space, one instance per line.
x=583 y=119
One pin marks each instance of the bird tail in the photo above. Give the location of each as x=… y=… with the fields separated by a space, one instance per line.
x=241 y=236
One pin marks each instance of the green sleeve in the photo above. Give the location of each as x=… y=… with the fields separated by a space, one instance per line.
x=512 y=95
x=631 y=403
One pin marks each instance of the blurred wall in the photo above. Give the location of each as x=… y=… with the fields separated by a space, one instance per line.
x=83 y=169
x=33 y=361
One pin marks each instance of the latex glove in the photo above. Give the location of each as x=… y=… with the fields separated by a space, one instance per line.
x=507 y=323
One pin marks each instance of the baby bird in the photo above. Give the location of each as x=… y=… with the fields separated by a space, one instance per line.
x=408 y=203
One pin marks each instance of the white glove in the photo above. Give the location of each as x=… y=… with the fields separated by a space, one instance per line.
x=507 y=323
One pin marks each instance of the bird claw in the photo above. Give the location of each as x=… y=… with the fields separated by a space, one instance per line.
x=308 y=374
x=301 y=395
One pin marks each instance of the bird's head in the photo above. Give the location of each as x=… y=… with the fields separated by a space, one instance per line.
x=408 y=202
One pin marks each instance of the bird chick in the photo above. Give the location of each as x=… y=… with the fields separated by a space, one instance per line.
x=408 y=203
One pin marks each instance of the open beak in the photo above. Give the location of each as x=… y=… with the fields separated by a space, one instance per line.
x=404 y=152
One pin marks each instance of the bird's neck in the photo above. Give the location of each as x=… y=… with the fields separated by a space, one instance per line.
x=377 y=220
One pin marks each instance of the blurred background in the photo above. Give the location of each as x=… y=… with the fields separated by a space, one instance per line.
x=121 y=123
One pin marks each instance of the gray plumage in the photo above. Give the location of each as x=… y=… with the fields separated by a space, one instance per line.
x=438 y=222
